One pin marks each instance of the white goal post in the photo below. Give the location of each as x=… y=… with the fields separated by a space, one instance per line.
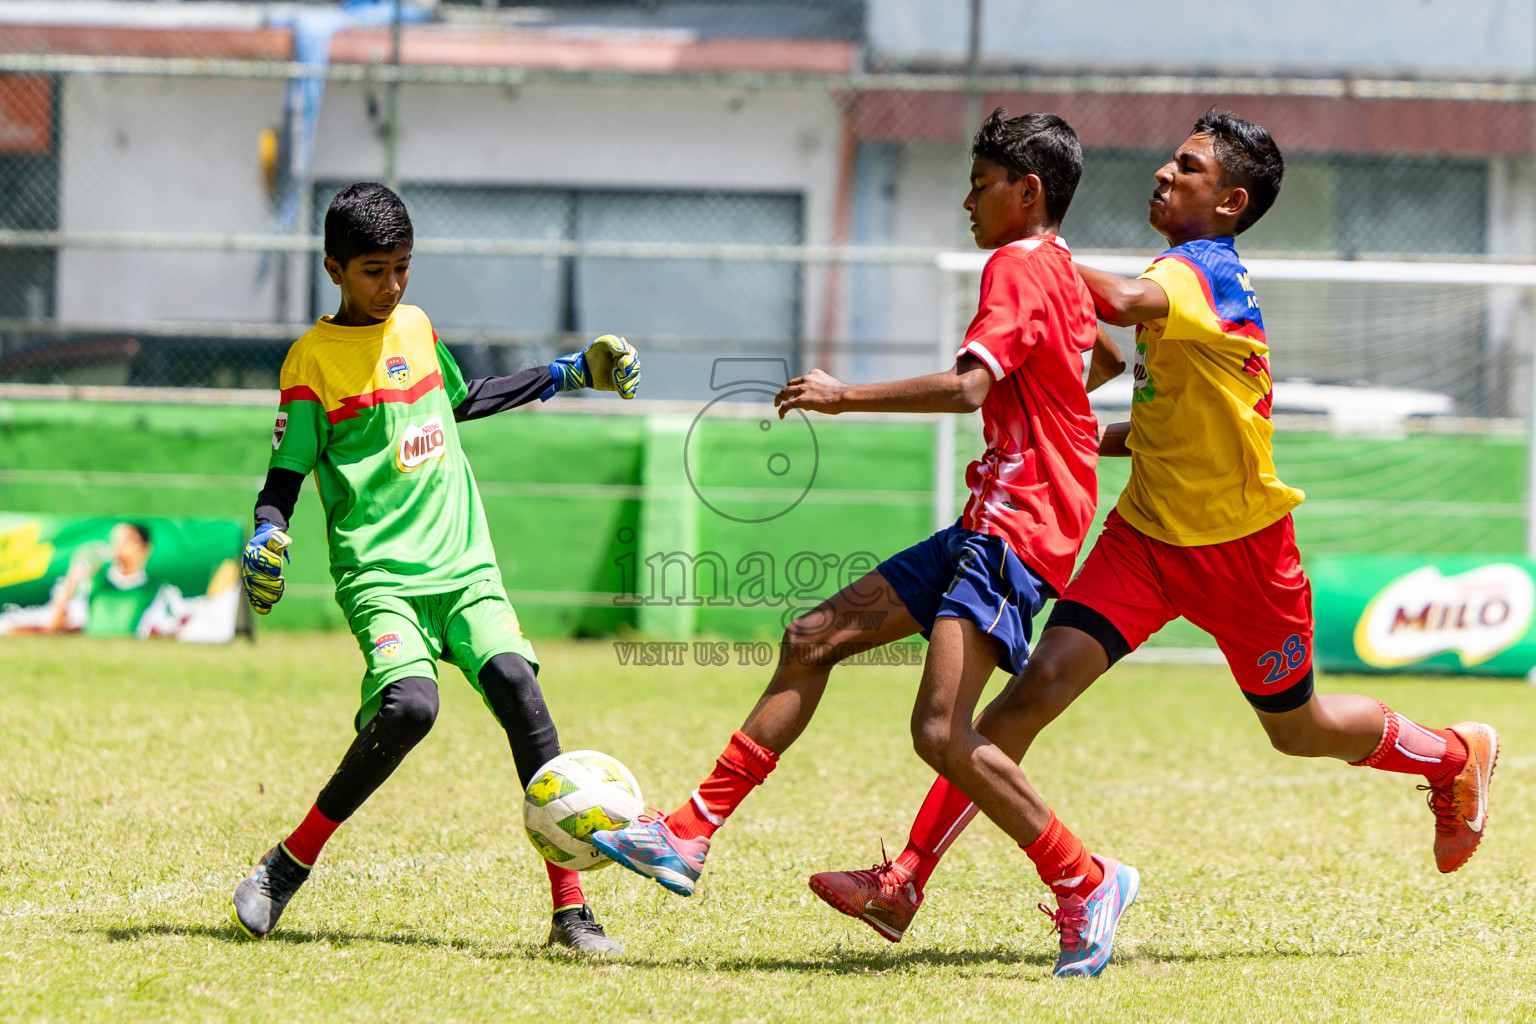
x=1336 y=306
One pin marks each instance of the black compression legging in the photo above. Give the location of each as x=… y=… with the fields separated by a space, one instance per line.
x=408 y=708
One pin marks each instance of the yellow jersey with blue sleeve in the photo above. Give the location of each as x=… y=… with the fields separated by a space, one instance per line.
x=1202 y=460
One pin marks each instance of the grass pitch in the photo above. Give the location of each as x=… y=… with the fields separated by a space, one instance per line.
x=139 y=782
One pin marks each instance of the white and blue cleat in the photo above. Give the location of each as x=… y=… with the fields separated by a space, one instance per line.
x=649 y=848
x=1087 y=926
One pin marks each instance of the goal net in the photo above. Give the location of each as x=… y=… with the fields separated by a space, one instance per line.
x=1402 y=399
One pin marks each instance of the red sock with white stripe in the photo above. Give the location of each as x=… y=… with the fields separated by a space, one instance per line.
x=306 y=841
x=1063 y=861
x=1413 y=749
x=944 y=814
x=742 y=767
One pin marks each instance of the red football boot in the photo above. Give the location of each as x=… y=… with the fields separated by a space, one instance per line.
x=1461 y=805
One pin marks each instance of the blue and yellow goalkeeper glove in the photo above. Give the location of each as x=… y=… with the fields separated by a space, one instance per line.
x=261 y=567
x=609 y=364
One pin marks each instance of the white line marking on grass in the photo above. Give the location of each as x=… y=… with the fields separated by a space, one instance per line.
x=1176 y=656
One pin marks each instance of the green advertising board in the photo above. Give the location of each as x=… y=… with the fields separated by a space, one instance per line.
x=1464 y=614
x=114 y=576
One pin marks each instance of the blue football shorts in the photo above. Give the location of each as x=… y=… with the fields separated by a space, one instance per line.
x=968 y=575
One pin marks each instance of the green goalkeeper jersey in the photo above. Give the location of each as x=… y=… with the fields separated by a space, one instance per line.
x=369 y=410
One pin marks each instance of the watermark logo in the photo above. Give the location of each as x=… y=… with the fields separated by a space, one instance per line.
x=749 y=469
x=759 y=653
x=757 y=579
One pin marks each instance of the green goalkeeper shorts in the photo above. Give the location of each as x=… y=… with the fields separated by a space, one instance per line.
x=401 y=637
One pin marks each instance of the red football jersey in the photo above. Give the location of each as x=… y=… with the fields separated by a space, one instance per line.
x=1037 y=484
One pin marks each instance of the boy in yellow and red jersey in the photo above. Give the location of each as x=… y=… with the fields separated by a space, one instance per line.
x=370 y=401
x=1203 y=530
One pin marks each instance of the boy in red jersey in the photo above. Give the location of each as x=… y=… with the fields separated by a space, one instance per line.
x=973 y=588
x=1203 y=530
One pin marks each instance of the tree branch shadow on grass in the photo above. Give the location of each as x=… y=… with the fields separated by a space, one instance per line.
x=840 y=960
x=292 y=936
x=298 y=936
x=837 y=960
x=834 y=960
x=1163 y=955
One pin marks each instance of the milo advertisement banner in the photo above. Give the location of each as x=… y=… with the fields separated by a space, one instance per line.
x=124 y=577
x=1457 y=613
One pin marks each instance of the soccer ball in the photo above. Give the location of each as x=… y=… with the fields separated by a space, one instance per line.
x=571 y=797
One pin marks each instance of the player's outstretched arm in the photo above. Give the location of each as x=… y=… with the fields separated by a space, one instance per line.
x=1124 y=301
x=486 y=396
x=961 y=389
x=608 y=364
x=1107 y=362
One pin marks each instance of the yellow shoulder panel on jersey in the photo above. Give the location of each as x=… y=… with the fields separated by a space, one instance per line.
x=348 y=369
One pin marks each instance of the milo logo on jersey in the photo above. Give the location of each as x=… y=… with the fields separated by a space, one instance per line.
x=398 y=369
x=421 y=444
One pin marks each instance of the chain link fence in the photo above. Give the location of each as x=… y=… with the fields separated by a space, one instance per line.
x=708 y=179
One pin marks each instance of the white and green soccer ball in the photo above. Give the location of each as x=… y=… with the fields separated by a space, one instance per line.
x=574 y=795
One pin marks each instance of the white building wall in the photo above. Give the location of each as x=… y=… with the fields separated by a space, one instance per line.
x=141 y=154
x=1477 y=38
x=180 y=155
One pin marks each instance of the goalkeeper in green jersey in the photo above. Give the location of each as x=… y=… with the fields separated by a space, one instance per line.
x=370 y=402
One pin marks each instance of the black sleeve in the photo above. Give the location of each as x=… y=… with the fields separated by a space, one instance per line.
x=275 y=502
x=488 y=395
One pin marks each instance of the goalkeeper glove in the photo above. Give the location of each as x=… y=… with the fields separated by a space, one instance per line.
x=609 y=364
x=261 y=567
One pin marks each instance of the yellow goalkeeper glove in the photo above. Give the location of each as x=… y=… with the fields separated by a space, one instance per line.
x=261 y=567
x=614 y=365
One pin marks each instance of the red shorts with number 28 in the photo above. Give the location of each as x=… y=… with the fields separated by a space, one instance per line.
x=1250 y=594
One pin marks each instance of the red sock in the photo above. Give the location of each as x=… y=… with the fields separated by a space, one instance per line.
x=944 y=814
x=1412 y=749
x=1063 y=862
x=306 y=842
x=564 y=887
x=741 y=768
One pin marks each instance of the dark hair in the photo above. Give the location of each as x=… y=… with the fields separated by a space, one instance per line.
x=141 y=530
x=1039 y=144
x=1249 y=158
x=363 y=218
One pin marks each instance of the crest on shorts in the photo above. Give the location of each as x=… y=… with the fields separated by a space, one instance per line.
x=279 y=429
x=387 y=645
x=398 y=369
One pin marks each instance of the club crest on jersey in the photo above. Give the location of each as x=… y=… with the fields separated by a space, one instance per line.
x=279 y=429
x=398 y=369
x=1141 y=379
x=387 y=645
x=421 y=444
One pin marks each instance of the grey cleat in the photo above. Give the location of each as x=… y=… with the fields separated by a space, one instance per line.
x=576 y=929
x=260 y=899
